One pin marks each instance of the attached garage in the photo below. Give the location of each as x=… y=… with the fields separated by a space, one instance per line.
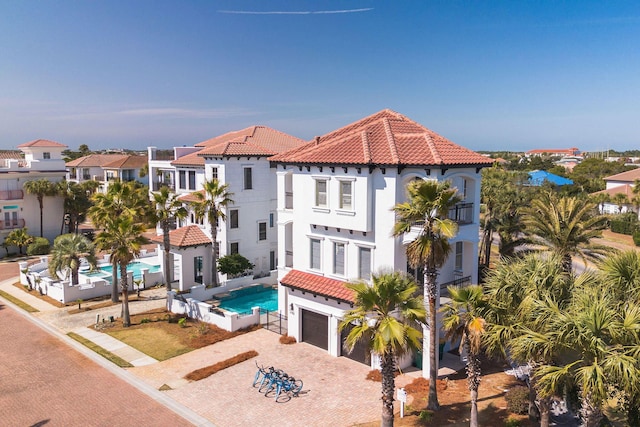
x=315 y=329
x=359 y=352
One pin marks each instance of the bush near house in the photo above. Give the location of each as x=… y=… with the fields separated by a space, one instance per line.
x=233 y=264
x=625 y=224
x=39 y=246
x=517 y=400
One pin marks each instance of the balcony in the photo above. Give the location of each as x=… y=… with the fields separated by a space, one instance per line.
x=11 y=224
x=11 y=195
x=158 y=185
x=462 y=213
x=460 y=282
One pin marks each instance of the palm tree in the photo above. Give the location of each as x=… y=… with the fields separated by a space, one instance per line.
x=463 y=321
x=600 y=348
x=123 y=238
x=211 y=205
x=40 y=188
x=19 y=237
x=566 y=226
x=620 y=199
x=168 y=209
x=77 y=201
x=382 y=317
x=67 y=251
x=621 y=273
x=121 y=198
x=428 y=208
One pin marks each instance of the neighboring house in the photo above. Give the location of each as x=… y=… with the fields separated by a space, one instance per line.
x=241 y=160
x=35 y=160
x=335 y=218
x=621 y=183
x=569 y=162
x=104 y=168
x=573 y=151
x=538 y=177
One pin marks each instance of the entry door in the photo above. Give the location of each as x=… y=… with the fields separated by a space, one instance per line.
x=315 y=329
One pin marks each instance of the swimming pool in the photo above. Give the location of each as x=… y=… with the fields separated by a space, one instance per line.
x=242 y=300
x=135 y=267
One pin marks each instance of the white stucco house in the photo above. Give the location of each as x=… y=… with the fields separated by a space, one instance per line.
x=621 y=183
x=241 y=160
x=335 y=196
x=105 y=168
x=38 y=159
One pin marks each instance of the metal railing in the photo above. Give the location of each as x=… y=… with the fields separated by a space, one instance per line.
x=11 y=224
x=461 y=282
x=158 y=185
x=462 y=213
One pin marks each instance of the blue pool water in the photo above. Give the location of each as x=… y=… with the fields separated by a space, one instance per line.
x=135 y=267
x=242 y=302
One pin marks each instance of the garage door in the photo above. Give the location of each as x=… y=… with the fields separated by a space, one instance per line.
x=359 y=353
x=315 y=329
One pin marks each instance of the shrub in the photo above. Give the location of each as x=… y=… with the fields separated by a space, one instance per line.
x=39 y=246
x=145 y=320
x=233 y=264
x=517 y=400
x=636 y=237
x=425 y=416
x=182 y=322
x=286 y=339
x=201 y=373
x=511 y=422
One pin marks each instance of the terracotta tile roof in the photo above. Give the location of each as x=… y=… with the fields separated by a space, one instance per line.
x=95 y=160
x=385 y=138
x=10 y=155
x=252 y=141
x=189 y=160
x=319 y=285
x=187 y=198
x=127 y=162
x=183 y=237
x=625 y=189
x=573 y=151
x=628 y=176
x=42 y=143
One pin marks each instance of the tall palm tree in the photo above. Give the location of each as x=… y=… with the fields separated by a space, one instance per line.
x=463 y=321
x=621 y=273
x=212 y=205
x=40 y=188
x=67 y=251
x=382 y=317
x=428 y=209
x=121 y=198
x=567 y=226
x=123 y=238
x=167 y=209
x=77 y=201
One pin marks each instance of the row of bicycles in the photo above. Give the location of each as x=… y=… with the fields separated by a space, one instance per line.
x=272 y=381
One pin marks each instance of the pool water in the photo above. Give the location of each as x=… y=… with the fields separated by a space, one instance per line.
x=135 y=267
x=265 y=298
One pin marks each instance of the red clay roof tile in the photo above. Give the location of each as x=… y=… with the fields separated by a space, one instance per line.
x=183 y=237
x=41 y=143
x=252 y=141
x=319 y=285
x=629 y=176
x=95 y=160
x=191 y=197
x=384 y=138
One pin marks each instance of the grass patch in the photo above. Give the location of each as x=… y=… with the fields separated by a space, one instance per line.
x=23 y=305
x=207 y=371
x=158 y=334
x=101 y=351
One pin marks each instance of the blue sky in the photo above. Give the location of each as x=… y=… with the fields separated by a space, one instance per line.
x=489 y=75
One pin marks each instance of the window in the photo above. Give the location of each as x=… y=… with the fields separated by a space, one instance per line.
x=321 y=193
x=214 y=173
x=197 y=269
x=7 y=220
x=85 y=174
x=272 y=260
x=364 y=265
x=46 y=155
x=314 y=261
x=192 y=180
x=248 y=181
x=182 y=180
x=262 y=231
x=459 y=249
x=271 y=220
x=338 y=258
x=345 y=195
x=233 y=218
x=234 y=248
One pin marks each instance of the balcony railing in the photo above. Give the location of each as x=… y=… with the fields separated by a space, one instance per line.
x=462 y=213
x=158 y=185
x=11 y=195
x=11 y=224
x=461 y=282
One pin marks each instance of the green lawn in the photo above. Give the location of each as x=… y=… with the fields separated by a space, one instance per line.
x=157 y=343
x=101 y=351
x=23 y=305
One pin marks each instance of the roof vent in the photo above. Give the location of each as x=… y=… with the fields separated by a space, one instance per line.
x=317 y=140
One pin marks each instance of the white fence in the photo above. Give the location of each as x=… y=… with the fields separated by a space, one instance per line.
x=37 y=277
x=205 y=312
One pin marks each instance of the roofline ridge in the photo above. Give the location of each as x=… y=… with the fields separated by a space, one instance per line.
x=390 y=140
x=432 y=147
x=366 y=147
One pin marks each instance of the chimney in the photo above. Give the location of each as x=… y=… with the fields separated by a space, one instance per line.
x=317 y=140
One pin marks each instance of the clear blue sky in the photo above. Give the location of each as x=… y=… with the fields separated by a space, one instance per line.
x=493 y=75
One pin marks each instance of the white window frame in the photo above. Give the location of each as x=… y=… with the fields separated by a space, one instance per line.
x=370 y=249
x=260 y=223
x=247 y=184
x=237 y=224
x=317 y=201
x=458 y=263
x=319 y=240
x=334 y=246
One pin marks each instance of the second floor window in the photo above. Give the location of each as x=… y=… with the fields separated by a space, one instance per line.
x=46 y=155
x=364 y=263
x=234 y=248
x=459 y=249
x=182 y=180
x=233 y=218
x=345 y=195
x=338 y=258
x=321 y=193
x=262 y=231
x=248 y=179
x=314 y=261
x=192 y=180
x=214 y=173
